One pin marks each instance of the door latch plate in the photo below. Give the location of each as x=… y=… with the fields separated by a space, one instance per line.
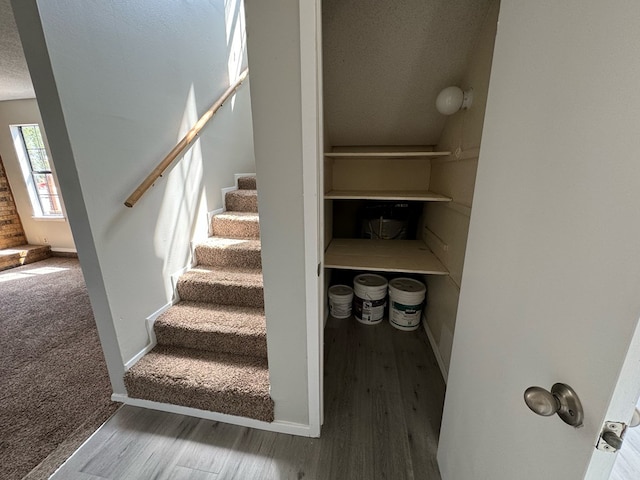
x=617 y=428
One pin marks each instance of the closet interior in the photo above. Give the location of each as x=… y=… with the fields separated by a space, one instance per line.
x=398 y=175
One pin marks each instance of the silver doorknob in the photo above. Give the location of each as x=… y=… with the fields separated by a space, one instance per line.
x=635 y=420
x=562 y=399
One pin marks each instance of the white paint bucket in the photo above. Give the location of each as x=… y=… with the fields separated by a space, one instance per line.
x=340 y=300
x=370 y=298
x=406 y=298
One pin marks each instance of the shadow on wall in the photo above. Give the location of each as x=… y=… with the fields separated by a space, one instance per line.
x=182 y=214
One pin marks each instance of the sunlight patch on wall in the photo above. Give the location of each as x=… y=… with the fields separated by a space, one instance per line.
x=182 y=215
x=236 y=40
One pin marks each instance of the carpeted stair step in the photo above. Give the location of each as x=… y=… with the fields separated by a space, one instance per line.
x=229 y=252
x=218 y=382
x=241 y=201
x=217 y=328
x=247 y=183
x=224 y=286
x=236 y=225
x=22 y=255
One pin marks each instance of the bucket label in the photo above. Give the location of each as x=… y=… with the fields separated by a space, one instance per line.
x=369 y=310
x=407 y=309
x=405 y=315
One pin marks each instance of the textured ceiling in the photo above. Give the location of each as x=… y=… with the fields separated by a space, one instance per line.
x=385 y=62
x=15 y=81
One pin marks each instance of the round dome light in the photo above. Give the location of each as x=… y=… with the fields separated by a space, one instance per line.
x=453 y=99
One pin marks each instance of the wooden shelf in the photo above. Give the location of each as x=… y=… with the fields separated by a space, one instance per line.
x=386 y=154
x=423 y=195
x=410 y=256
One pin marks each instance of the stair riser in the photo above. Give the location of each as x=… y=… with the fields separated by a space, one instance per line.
x=235 y=228
x=146 y=388
x=222 y=294
x=236 y=202
x=227 y=257
x=247 y=183
x=252 y=345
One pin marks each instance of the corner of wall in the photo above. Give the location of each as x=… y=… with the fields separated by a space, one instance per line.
x=446 y=225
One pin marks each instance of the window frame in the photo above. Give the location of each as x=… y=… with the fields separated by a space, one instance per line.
x=29 y=173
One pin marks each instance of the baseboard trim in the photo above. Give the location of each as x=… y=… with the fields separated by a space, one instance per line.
x=176 y=276
x=62 y=254
x=138 y=356
x=210 y=215
x=64 y=250
x=436 y=350
x=224 y=191
x=149 y=321
x=277 y=426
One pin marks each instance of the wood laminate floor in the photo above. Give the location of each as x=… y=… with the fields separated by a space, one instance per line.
x=383 y=405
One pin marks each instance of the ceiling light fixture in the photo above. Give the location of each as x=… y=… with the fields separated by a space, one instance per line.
x=453 y=99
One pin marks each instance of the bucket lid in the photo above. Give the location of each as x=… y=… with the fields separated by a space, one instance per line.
x=370 y=280
x=407 y=285
x=341 y=290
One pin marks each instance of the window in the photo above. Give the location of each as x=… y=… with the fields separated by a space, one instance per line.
x=37 y=171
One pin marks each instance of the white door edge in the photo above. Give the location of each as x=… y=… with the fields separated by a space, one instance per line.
x=310 y=71
x=623 y=403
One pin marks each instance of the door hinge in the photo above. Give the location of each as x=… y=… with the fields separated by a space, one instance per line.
x=319 y=268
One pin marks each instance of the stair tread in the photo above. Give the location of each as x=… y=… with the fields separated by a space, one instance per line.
x=228 y=275
x=201 y=368
x=229 y=252
x=226 y=243
x=222 y=285
x=207 y=317
x=220 y=382
x=232 y=224
x=218 y=328
x=24 y=249
x=239 y=216
x=242 y=200
x=243 y=193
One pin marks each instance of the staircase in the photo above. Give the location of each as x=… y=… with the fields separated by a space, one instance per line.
x=212 y=349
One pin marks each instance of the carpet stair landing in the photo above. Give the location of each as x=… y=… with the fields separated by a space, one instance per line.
x=211 y=350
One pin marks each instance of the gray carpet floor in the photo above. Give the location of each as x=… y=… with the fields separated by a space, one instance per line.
x=54 y=388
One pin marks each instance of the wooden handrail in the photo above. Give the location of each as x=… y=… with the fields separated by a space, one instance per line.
x=183 y=144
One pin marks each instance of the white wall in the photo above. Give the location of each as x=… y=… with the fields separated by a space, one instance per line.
x=274 y=51
x=56 y=231
x=454 y=176
x=130 y=79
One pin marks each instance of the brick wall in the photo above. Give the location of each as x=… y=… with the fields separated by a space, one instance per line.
x=11 y=232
